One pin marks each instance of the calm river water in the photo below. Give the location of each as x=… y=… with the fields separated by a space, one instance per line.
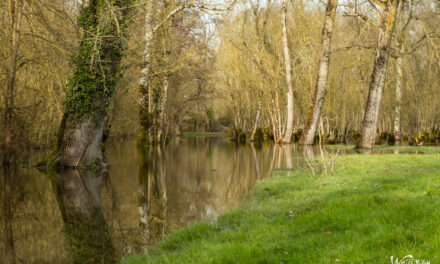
x=75 y=216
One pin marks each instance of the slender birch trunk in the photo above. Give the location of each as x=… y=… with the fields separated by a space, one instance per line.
x=377 y=82
x=279 y=136
x=289 y=127
x=164 y=93
x=308 y=135
x=398 y=109
x=145 y=98
x=261 y=39
x=272 y=118
x=258 y=114
x=15 y=13
x=162 y=110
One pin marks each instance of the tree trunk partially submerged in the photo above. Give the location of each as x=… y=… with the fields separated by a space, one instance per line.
x=81 y=143
x=91 y=87
x=377 y=83
x=308 y=135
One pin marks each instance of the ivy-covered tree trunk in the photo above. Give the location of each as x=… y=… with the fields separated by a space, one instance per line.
x=96 y=67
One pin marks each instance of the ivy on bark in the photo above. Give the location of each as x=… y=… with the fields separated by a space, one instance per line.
x=97 y=60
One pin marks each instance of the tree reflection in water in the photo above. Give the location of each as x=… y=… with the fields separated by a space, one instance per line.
x=149 y=193
x=152 y=194
x=9 y=256
x=86 y=231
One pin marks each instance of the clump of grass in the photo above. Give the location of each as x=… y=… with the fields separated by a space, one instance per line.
x=373 y=207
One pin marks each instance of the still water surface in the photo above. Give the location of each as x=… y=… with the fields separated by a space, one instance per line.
x=98 y=217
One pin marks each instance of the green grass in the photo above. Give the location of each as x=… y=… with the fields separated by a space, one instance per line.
x=373 y=207
x=378 y=149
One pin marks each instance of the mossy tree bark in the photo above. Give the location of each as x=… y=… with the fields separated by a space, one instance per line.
x=308 y=136
x=377 y=82
x=92 y=85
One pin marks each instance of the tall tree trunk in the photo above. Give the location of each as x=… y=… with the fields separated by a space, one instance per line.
x=162 y=110
x=377 y=82
x=208 y=127
x=262 y=37
x=308 y=135
x=92 y=86
x=399 y=88
x=145 y=98
x=289 y=127
x=279 y=136
x=15 y=13
x=258 y=114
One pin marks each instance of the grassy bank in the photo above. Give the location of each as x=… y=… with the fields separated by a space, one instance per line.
x=373 y=207
x=386 y=149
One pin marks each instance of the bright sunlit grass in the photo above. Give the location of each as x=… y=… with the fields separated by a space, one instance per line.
x=373 y=207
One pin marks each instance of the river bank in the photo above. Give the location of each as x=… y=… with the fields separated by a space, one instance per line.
x=372 y=208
